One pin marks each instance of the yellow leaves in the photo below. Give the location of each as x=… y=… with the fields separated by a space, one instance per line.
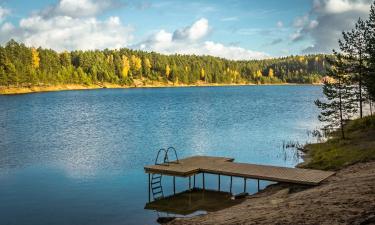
x=35 y=60
x=136 y=63
x=125 y=66
x=202 y=74
x=147 y=63
x=270 y=72
x=259 y=73
x=110 y=59
x=167 y=71
x=234 y=74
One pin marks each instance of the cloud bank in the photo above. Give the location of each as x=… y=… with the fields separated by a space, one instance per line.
x=70 y=25
x=190 y=40
x=326 y=21
x=74 y=24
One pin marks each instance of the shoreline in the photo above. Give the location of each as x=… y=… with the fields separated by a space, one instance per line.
x=72 y=87
x=338 y=200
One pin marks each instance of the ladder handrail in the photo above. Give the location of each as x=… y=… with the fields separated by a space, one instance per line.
x=157 y=156
x=175 y=153
x=166 y=156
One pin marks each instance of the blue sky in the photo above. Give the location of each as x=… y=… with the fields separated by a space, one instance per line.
x=232 y=29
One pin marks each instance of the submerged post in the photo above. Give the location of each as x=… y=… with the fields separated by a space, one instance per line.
x=174 y=185
x=149 y=188
x=203 y=184
x=219 y=183
x=230 y=189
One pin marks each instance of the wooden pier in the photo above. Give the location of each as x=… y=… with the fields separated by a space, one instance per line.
x=191 y=166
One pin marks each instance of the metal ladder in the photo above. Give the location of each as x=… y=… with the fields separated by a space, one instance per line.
x=156 y=185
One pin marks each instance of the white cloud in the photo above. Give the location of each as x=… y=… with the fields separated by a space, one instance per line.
x=67 y=33
x=63 y=30
x=3 y=13
x=79 y=8
x=300 y=21
x=280 y=24
x=325 y=22
x=7 y=27
x=189 y=41
x=340 y=6
x=231 y=52
x=196 y=31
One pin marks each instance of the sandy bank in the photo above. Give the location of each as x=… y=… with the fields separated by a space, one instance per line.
x=137 y=84
x=345 y=198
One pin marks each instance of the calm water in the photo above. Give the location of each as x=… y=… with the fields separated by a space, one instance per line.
x=77 y=157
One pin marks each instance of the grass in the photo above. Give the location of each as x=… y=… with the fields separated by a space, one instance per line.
x=337 y=153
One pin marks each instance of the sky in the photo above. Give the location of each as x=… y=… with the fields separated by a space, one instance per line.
x=232 y=29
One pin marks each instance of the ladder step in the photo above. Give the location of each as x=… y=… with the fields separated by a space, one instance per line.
x=158 y=192
x=156 y=182
x=159 y=187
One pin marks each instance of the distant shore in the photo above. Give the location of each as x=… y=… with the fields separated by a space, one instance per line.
x=4 y=90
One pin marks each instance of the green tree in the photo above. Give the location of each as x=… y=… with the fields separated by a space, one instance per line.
x=370 y=50
x=340 y=105
x=353 y=47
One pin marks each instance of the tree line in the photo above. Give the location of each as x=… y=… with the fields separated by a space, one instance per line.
x=23 y=66
x=351 y=76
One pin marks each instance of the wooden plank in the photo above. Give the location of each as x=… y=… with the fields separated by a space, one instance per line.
x=225 y=166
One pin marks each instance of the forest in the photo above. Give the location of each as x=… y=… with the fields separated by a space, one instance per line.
x=28 y=66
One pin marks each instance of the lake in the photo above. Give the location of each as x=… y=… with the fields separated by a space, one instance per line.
x=77 y=157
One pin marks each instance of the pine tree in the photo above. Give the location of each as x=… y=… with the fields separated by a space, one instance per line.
x=353 y=47
x=340 y=103
x=370 y=49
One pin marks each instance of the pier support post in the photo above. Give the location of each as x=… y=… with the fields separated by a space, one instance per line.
x=230 y=187
x=203 y=183
x=244 y=185
x=194 y=181
x=189 y=183
x=218 y=183
x=258 y=185
x=149 y=187
x=174 y=185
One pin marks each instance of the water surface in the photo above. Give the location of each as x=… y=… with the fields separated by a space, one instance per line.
x=77 y=157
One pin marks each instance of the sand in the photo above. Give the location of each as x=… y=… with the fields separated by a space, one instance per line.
x=345 y=198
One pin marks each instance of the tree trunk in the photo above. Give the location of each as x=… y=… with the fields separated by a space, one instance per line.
x=360 y=85
x=360 y=98
x=341 y=117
